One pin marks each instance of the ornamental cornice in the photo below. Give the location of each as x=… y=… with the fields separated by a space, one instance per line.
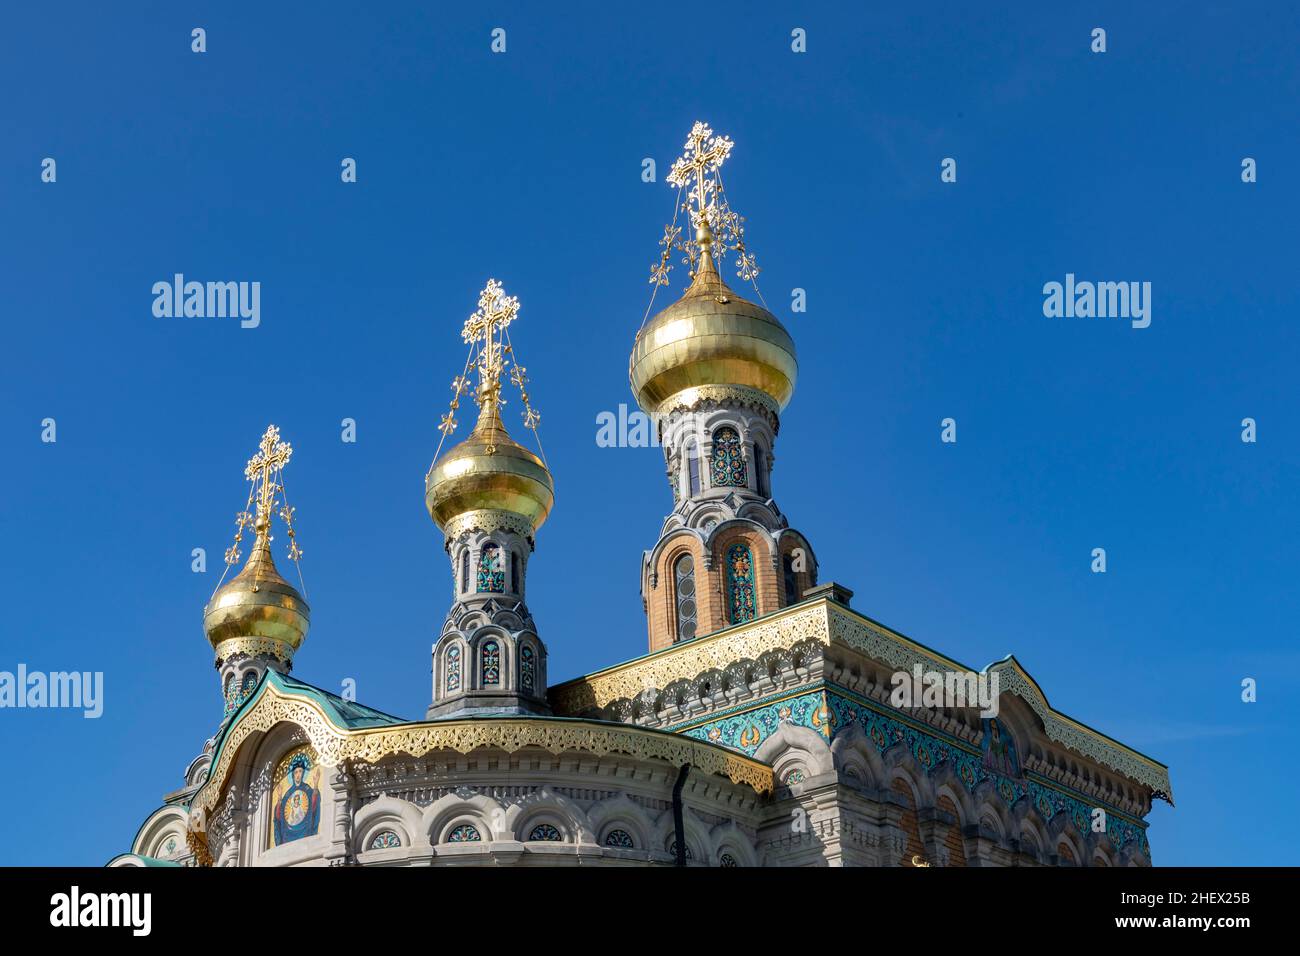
x=253 y=647
x=703 y=397
x=687 y=660
x=487 y=521
x=897 y=651
x=827 y=623
x=336 y=746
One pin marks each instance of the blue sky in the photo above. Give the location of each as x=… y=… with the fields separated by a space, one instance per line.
x=924 y=302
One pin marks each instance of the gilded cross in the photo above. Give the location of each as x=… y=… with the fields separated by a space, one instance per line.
x=704 y=155
x=496 y=310
x=271 y=457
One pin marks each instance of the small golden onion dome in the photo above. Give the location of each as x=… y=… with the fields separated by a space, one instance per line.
x=711 y=336
x=258 y=603
x=489 y=471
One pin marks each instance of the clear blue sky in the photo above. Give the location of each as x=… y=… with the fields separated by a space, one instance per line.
x=924 y=301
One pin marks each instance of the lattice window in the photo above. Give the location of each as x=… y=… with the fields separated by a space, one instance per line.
x=491 y=666
x=687 y=608
x=727 y=860
x=527 y=669
x=672 y=849
x=740 y=585
x=491 y=576
x=453 y=669
x=728 y=469
x=385 y=840
x=544 y=832
x=619 y=838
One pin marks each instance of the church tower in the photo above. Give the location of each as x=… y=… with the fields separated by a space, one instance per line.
x=715 y=371
x=489 y=495
x=258 y=620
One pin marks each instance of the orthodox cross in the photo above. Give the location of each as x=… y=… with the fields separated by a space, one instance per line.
x=699 y=165
x=271 y=457
x=495 y=312
x=264 y=472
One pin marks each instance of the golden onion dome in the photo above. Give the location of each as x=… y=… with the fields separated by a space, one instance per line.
x=257 y=605
x=489 y=471
x=711 y=337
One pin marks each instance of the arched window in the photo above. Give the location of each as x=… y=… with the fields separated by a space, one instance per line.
x=740 y=584
x=687 y=610
x=527 y=669
x=491 y=667
x=464 y=834
x=516 y=585
x=727 y=860
x=491 y=576
x=760 y=470
x=228 y=693
x=464 y=571
x=385 y=840
x=546 y=833
x=693 y=470
x=791 y=582
x=619 y=838
x=728 y=469
x=453 y=668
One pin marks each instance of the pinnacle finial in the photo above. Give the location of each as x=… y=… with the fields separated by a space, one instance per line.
x=491 y=354
x=717 y=229
x=265 y=473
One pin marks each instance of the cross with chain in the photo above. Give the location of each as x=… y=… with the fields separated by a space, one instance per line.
x=496 y=310
x=271 y=457
x=705 y=153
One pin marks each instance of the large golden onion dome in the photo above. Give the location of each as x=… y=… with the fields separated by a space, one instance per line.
x=489 y=471
x=257 y=606
x=711 y=337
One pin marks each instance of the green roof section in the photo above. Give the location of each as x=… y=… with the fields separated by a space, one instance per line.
x=344 y=713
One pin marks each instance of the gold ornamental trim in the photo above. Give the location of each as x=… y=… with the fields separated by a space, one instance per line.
x=688 y=660
x=693 y=399
x=827 y=623
x=335 y=745
x=254 y=647
x=487 y=520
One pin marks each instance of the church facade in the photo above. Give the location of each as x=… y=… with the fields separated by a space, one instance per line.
x=770 y=723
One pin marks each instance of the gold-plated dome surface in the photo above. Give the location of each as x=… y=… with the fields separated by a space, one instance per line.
x=257 y=603
x=489 y=471
x=711 y=336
